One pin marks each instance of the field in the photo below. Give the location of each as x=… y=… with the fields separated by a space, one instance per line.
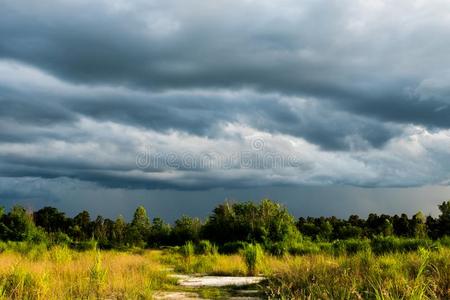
x=33 y=272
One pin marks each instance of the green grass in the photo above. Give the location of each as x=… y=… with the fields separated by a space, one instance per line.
x=340 y=270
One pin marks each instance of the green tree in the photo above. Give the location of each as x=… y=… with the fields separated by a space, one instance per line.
x=19 y=225
x=418 y=225
x=267 y=222
x=118 y=231
x=159 y=233
x=444 y=219
x=186 y=229
x=139 y=229
x=82 y=229
x=50 y=219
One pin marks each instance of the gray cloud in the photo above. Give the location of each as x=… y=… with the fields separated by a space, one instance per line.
x=86 y=85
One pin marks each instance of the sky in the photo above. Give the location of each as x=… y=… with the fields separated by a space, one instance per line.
x=331 y=107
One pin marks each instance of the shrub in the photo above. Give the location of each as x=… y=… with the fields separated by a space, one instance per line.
x=232 y=247
x=59 y=238
x=253 y=255
x=444 y=241
x=60 y=254
x=305 y=247
x=205 y=247
x=84 y=245
x=97 y=275
x=382 y=245
x=351 y=246
x=187 y=250
x=278 y=248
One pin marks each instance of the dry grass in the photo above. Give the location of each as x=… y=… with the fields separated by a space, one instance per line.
x=65 y=274
x=415 y=275
x=60 y=273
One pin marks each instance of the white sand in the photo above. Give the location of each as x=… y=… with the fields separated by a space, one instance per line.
x=217 y=281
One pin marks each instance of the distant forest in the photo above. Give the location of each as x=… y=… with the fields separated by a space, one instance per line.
x=229 y=225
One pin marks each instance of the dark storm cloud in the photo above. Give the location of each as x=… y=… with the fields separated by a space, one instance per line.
x=192 y=112
x=83 y=85
x=309 y=48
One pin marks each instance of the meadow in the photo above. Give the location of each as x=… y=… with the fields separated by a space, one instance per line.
x=47 y=255
x=37 y=272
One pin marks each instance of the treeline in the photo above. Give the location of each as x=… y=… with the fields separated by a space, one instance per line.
x=230 y=224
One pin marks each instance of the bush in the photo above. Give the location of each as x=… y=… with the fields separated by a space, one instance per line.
x=278 y=248
x=232 y=247
x=253 y=255
x=85 y=245
x=205 y=247
x=305 y=247
x=383 y=245
x=60 y=254
x=444 y=241
x=187 y=250
x=59 y=238
x=351 y=246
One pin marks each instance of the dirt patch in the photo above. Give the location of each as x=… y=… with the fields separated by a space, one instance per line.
x=176 y=296
x=217 y=281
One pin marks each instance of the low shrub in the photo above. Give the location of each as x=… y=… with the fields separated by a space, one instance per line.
x=351 y=246
x=205 y=247
x=253 y=255
x=305 y=247
x=232 y=247
x=382 y=245
x=84 y=245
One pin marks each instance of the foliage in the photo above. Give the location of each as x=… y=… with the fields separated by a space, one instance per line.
x=231 y=226
x=253 y=255
x=186 y=229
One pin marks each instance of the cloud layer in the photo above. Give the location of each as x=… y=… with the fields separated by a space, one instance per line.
x=356 y=93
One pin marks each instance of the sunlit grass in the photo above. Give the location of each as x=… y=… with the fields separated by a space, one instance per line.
x=61 y=273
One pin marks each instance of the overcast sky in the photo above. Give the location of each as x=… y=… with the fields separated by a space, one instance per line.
x=329 y=106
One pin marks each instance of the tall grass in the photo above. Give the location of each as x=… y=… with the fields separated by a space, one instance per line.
x=422 y=274
x=253 y=255
x=350 y=270
x=63 y=273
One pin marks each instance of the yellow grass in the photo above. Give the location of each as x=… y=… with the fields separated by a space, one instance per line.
x=65 y=274
x=61 y=273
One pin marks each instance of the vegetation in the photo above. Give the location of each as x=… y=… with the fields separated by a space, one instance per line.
x=63 y=273
x=252 y=255
x=47 y=255
x=230 y=227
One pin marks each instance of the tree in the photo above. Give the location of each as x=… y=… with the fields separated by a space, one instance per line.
x=139 y=229
x=50 y=219
x=276 y=222
x=186 y=229
x=401 y=225
x=326 y=229
x=267 y=222
x=418 y=225
x=118 y=232
x=82 y=229
x=444 y=219
x=19 y=225
x=159 y=233
x=101 y=231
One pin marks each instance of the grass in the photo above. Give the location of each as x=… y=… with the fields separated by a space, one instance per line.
x=61 y=273
x=35 y=272
x=414 y=275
